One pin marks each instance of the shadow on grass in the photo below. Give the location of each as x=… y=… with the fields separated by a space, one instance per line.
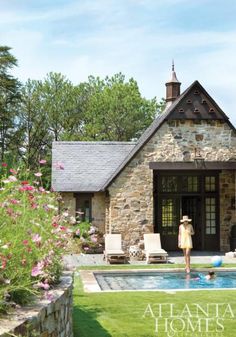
x=85 y=323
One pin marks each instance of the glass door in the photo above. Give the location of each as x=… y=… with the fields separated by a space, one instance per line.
x=169 y=220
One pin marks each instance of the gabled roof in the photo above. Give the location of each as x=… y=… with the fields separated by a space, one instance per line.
x=86 y=166
x=174 y=111
x=196 y=103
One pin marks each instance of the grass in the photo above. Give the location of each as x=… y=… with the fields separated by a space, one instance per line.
x=122 y=314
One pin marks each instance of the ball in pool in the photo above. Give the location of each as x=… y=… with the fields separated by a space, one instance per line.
x=216 y=261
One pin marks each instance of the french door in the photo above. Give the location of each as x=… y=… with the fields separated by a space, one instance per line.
x=195 y=194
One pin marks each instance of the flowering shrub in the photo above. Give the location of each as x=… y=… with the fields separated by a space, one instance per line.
x=90 y=239
x=33 y=237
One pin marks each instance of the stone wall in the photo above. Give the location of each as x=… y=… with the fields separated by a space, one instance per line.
x=45 y=318
x=227 y=207
x=130 y=210
x=69 y=202
x=98 y=211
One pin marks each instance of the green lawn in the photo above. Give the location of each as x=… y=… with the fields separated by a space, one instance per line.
x=122 y=314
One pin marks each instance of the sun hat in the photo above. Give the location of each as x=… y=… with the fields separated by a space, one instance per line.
x=185 y=218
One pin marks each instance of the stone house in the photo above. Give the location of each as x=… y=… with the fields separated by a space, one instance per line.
x=184 y=163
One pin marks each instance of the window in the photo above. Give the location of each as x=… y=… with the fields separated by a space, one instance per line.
x=210 y=184
x=169 y=184
x=190 y=184
x=210 y=205
x=169 y=216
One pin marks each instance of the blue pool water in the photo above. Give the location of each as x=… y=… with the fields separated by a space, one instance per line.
x=163 y=280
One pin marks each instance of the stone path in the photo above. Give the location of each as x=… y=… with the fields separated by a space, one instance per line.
x=76 y=260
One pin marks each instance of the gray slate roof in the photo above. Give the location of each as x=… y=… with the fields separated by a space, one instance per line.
x=87 y=165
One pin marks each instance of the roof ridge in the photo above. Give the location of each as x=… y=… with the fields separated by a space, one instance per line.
x=93 y=143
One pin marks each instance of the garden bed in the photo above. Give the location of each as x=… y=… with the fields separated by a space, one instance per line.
x=50 y=316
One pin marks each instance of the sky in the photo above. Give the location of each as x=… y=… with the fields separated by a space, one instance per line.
x=139 y=38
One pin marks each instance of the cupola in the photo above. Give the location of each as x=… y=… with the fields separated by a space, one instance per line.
x=172 y=87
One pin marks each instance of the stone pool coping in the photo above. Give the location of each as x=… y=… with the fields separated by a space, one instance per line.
x=91 y=285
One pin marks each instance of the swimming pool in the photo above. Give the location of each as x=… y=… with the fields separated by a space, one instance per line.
x=163 y=280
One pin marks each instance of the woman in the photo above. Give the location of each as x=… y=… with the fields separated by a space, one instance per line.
x=185 y=239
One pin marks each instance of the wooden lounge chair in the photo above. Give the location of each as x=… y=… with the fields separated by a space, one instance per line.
x=153 y=250
x=113 y=251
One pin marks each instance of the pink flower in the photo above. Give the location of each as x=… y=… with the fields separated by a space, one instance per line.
x=37 y=270
x=92 y=230
x=77 y=232
x=42 y=161
x=46 y=208
x=38 y=174
x=25 y=242
x=41 y=189
x=86 y=248
x=14 y=201
x=13 y=171
x=3 y=262
x=24 y=182
x=36 y=238
x=43 y=285
x=26 y=188
x=59 y=166
x=94 y=238
x=10 y=211
x=4 y=164
x=63 y=228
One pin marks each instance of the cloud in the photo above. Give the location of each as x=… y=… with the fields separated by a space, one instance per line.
x=136 y=37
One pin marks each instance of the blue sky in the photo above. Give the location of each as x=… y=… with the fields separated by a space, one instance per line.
x=136 y=37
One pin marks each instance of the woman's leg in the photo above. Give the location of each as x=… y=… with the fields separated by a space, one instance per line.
x=188 y=251
x=185 y=257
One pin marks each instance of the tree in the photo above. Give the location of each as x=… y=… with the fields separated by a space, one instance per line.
x=47 y=112
x=59 y=104
x=9 y=98
x=33 y=137
x=114 y=109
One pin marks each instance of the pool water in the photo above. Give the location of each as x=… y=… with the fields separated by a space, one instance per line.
x=163 y=280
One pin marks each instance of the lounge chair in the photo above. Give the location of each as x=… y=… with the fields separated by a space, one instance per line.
x=113 y=251
x=153 y=250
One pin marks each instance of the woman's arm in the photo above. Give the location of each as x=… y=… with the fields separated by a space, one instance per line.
x=179 y=237
x=192 y=230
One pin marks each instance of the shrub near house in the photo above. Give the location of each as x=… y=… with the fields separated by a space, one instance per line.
x=32 y=238
x=89 y=239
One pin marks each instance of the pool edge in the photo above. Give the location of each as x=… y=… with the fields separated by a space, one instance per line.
x=91 y=285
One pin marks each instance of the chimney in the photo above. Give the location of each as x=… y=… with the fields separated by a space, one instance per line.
x=172 y=87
